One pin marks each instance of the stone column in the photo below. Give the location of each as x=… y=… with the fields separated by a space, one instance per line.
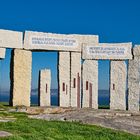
x=2 y=53
x=45 y=87
x=118 y=77
x=90 y=84
x=134 y=80
x=75 y=79
x=21 y=76
x=64 y=79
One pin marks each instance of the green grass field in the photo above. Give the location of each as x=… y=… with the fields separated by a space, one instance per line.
x=32 y=129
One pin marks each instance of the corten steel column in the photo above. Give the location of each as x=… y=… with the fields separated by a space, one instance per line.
x=21 y=77
x=75 y=79
x=118 y=75
x=44 y=87
x=90 y=84
x=64 y=79
x=134 y=80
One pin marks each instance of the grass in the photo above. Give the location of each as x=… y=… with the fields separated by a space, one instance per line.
x=104 y=107
x=24 y=128
x=4 y=103
x=32 y=129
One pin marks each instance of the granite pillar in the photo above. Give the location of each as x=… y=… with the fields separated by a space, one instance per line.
x=134 y=80
x=45 y=87
x=118 y=77
x=90 y=84
x=64 y=79
x=75 y=79
x=21 y=77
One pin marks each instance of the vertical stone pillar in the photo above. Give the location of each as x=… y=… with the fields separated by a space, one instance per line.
x=45 y=87
x=134 y=80
x=90 y=84
x=21 y=84
x=75 y=79
x=2 y=53
x=64 y=79
x=118 y=76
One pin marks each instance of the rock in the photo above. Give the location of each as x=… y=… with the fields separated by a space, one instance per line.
x=64 y=79
x=75 y=96
x=22 y=65
x=5 y=134
x=58 y=42
x=2 y=52
x=7 y=119
x=45 y=87
x=90 y=84
x=11 y=39
x=118 y=85
x=120 y=120
x=133 y=81
x=104 y=51
x=35 y=111
x=123 y=114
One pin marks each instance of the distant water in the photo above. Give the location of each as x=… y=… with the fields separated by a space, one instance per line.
x=103 y=98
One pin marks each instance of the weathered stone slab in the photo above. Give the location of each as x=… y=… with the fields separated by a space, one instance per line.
x=58 y=42
x=87 y=38
x=2 y=52
x=11 y=39
x=134 y=80
x=90 y=84
x=64 y=79
x=22 y=65
x=118 y=76
x=75 y=79
x=136 y=50
x=118 y=120
x=5 y=134
x=45 y=88
x=107 y=51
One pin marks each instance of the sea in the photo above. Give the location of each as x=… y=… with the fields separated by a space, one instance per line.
x=103 y=97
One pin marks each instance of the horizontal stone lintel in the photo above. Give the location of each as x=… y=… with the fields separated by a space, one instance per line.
x=113 y=51
x=11 y=39
x=56 y=42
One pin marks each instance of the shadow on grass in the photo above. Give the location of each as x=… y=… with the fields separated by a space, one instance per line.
x=104 y=107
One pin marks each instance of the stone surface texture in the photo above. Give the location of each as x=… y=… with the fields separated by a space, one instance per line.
x=136 y=50
x=87 y=55
x=45 y=88
x=22 y=65
x=11 y=39
x=118 y=75
x=90 y=77
x=118 y=120
x=5 y=134
x=75 y=96
x=79 y=39
x=2 y=52
x=64 y=79
x=134 y=80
